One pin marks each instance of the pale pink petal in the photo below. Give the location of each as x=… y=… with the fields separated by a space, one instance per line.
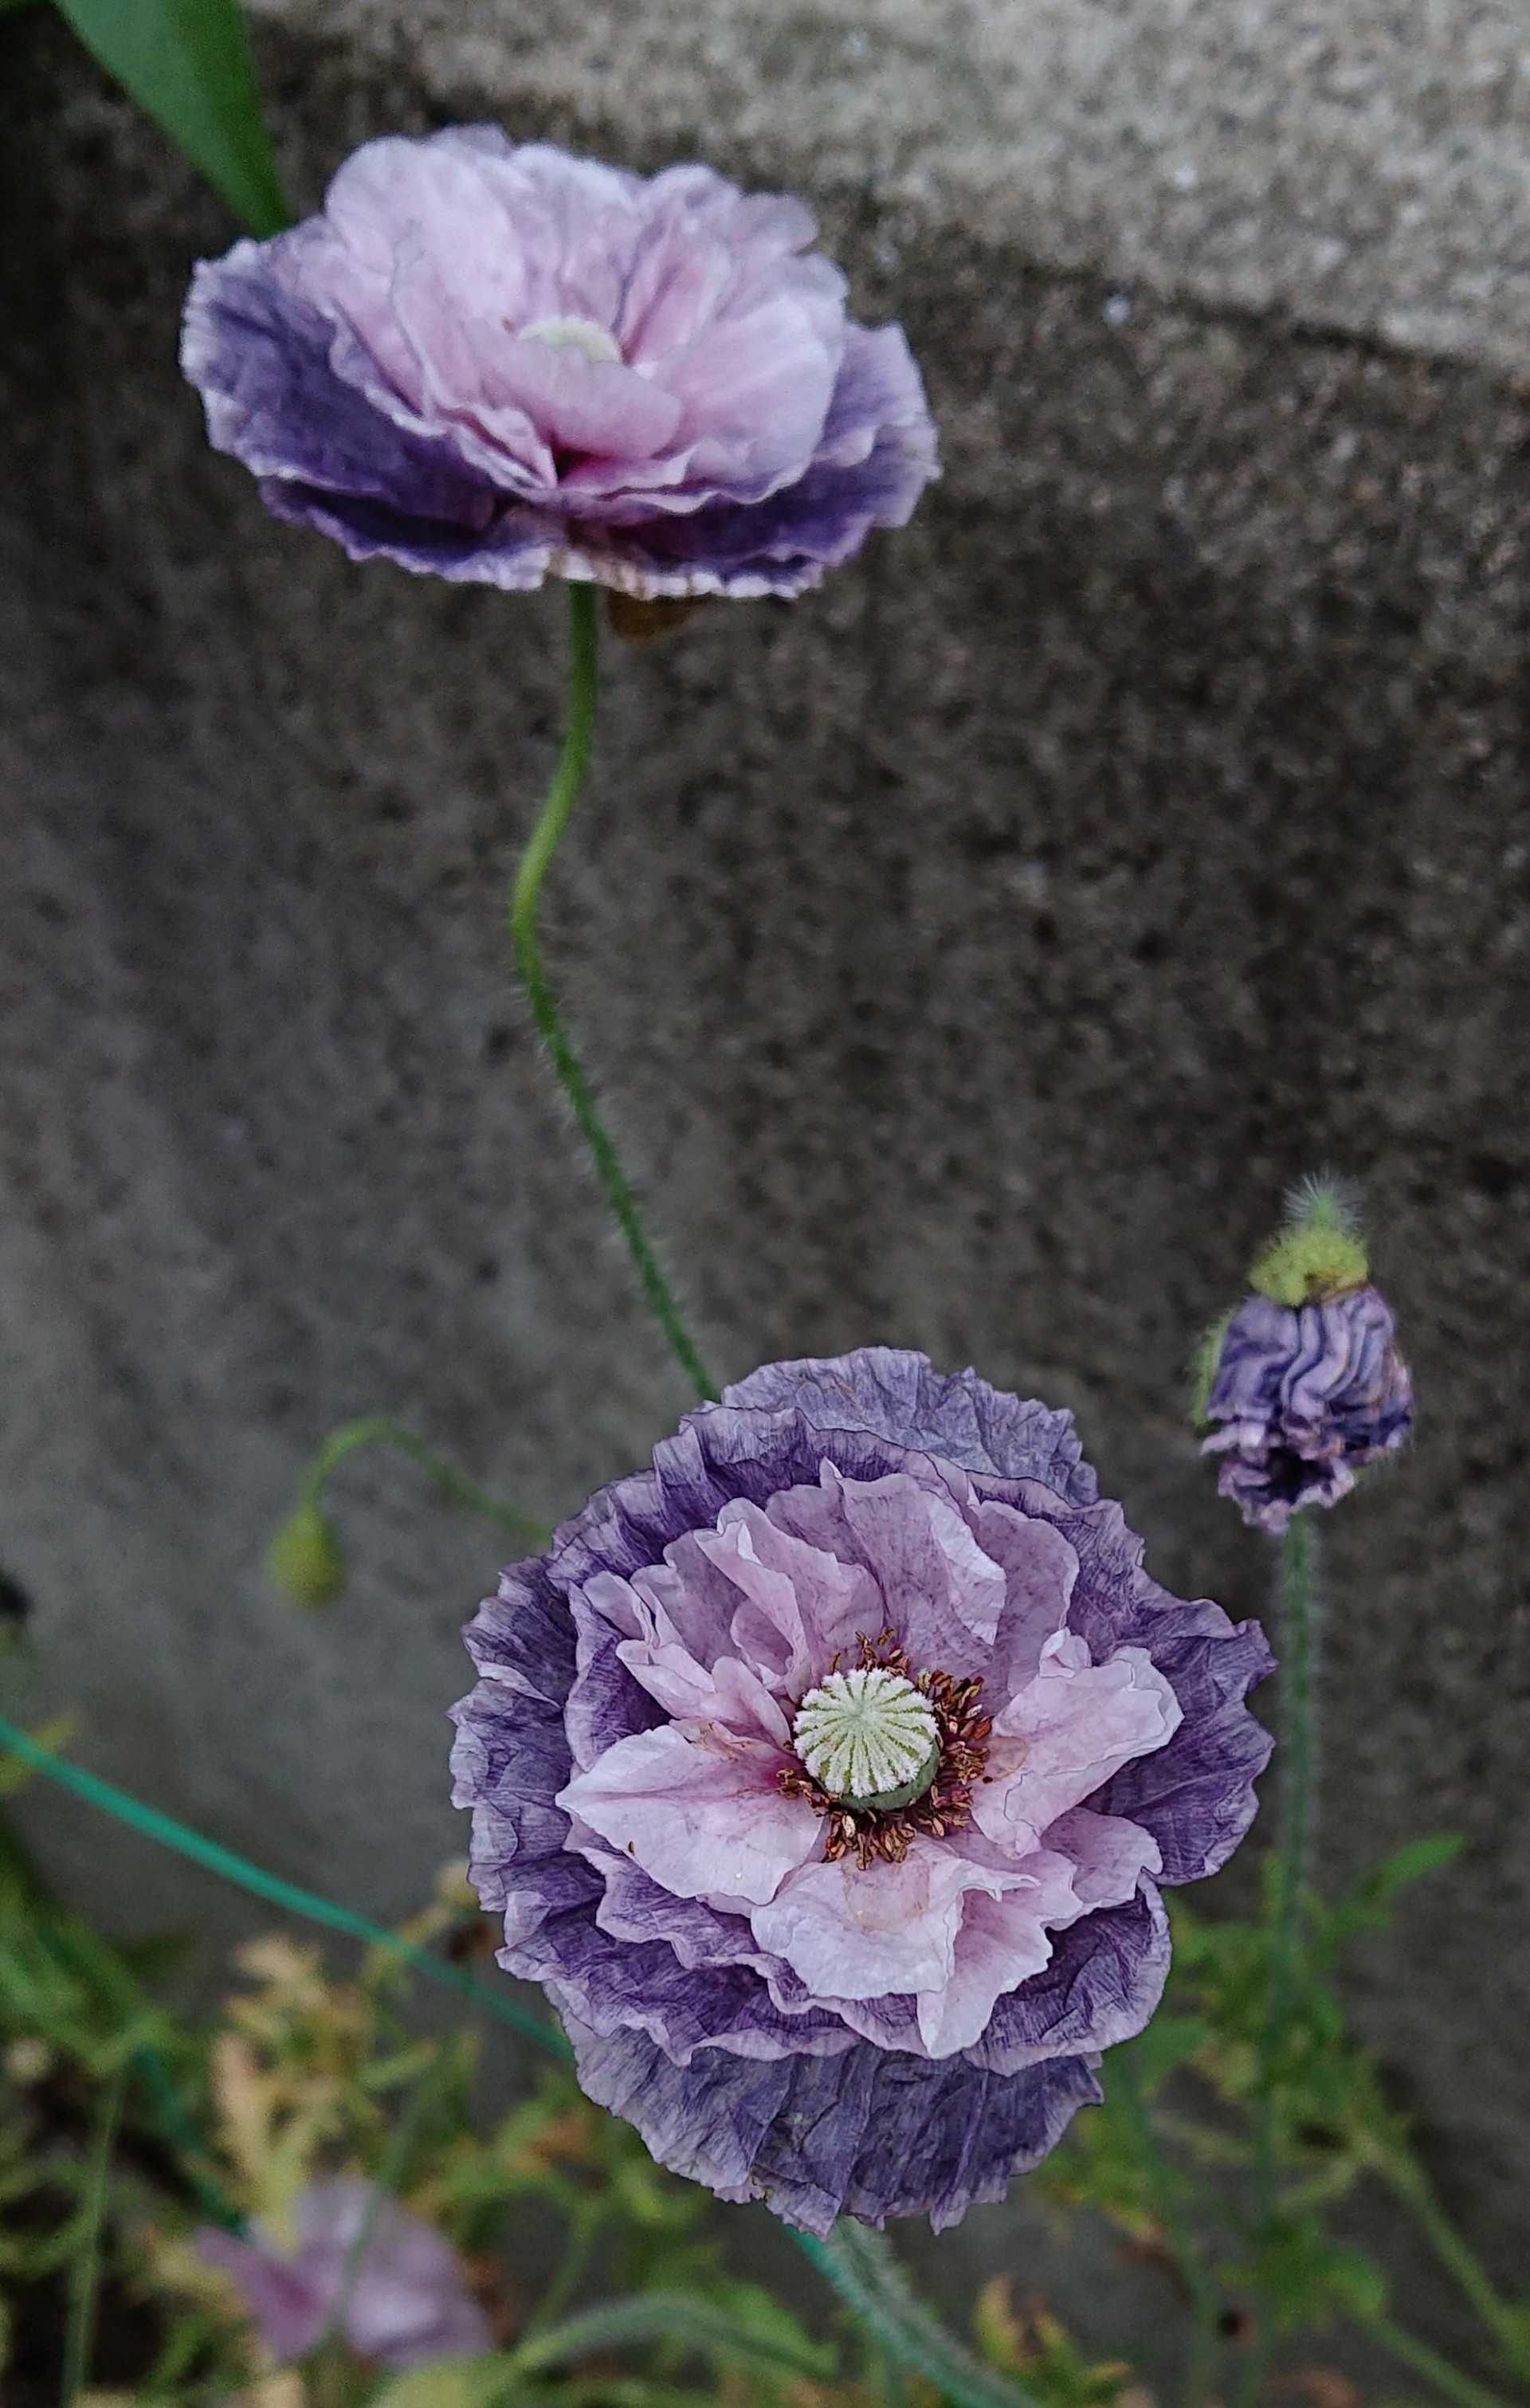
x=723 y=1691
x=756 y=390
x=701 y=1819
x=675 y=289
x=1066 y=1734
x=831 y=1603
x=690 y=1597
x=767 y=1627
x=618 y=1603
x=731 y=1696
x=1109 y=1854
x=849 y=1934
x=1002 y=1941
x=1039 y=1569
x=597 y=407
x=938 y=1589
x=941 y=1591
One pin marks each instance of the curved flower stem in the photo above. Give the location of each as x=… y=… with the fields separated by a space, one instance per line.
x=380 y=1430
x=542 y=844
x=1205 y=2298
x=1417 y=2355
x=860 y=2265
x=1508 y=2325
x=1298 y=1601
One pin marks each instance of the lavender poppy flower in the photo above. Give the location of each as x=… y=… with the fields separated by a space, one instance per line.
x=406 y=2302
x=498 y=363
x=827 y=1775
x=1304 y=1395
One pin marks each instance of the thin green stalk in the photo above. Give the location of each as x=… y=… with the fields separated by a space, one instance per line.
x=861 y=2267
x=1205 y=2298
x=152 y=1824
x=579 y=2248
x=1421 y=2359
x=1298 y=1611
x=85 y=2272
x=534 y=862
x=1508 y=2325
x=380 y=1430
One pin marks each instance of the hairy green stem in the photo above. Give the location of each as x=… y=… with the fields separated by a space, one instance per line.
x=152 y=1824
x=861 y=2267
x=1298 y=1624
x=1205 y=2298
x=542 y=844
x=85 y=2274
x=1508 y=2327
x=381 y=1429
x=1417 y=2355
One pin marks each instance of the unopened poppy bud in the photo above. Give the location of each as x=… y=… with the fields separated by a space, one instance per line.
x=305 y=1559
x=1302 y=1383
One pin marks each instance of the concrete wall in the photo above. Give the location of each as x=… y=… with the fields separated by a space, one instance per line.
x=968 y=955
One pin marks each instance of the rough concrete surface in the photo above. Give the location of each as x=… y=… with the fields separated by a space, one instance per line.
x=968 y=955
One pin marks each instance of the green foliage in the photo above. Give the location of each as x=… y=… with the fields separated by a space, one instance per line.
x=304 y=2073
x=187 y=63
x=1305 y=2277
x=1038 y=2346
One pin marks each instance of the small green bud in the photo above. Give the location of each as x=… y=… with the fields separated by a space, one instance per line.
x=1320 y=1252
x=305 y=1560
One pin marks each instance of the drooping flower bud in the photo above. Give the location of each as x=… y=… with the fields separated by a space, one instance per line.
x=1302 y=1383
x=305 y=1559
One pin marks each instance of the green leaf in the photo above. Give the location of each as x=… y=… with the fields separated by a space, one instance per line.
x=496 y=2382
x=1369 y=1905
x=188 y=64
x=758 y=2317
x=1308 y=2278
x=1169 y=2041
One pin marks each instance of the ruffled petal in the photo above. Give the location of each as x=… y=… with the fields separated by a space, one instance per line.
x=870 y=2133
x=1066 y=1734
x=704 y=1820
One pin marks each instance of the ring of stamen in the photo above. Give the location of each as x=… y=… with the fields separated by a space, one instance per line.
x=878 y=1830
x=868 y=1738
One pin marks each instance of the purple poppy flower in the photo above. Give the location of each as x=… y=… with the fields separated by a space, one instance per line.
x=406 y=2302
x=827 y=1775
x=500 y=363
x=1303 y=1396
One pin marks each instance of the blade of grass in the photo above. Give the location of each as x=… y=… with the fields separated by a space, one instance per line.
x=85 y=2274
x=187 y=63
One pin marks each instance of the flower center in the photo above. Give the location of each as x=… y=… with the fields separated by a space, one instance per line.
x=573 y=335
x=868 y=1738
